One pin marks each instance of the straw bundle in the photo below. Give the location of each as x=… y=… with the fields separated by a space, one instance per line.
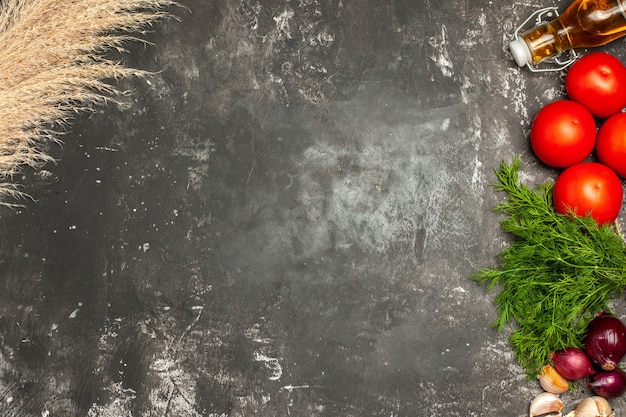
x=53 y=64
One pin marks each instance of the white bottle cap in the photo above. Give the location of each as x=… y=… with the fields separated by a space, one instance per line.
x=520 y=52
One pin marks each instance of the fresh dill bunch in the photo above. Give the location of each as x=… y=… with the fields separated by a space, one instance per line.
x=558 y=273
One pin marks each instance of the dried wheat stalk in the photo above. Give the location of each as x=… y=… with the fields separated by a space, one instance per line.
x=53 y=65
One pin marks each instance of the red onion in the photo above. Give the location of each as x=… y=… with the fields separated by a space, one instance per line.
x=572 y=363
x=605 y=341
x=609 y=384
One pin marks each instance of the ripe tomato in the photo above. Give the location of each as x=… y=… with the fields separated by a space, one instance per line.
x=589 y=188
x=563 y=133
x=611 y=143
x=598 y=81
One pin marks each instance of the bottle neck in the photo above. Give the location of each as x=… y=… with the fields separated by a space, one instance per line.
x=547 y=40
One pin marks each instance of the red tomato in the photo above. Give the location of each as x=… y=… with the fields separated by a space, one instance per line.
x=611 y=143
x=598 y=81
x=563 y=133
x=589 y=188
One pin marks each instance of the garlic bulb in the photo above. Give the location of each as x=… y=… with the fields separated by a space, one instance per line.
x=546 y=403
x=595 y=406
x=552 y=381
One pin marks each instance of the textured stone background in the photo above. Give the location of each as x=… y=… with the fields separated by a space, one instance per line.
x=283 y=221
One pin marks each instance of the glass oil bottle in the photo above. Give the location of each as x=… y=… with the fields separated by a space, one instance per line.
x=584 y=24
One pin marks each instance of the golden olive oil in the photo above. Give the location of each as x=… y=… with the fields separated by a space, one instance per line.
x=584 y=24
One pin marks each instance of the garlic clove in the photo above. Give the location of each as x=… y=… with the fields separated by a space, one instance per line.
x=552 y=381
x=546 y=403
x=604 y=407
x=595 y=406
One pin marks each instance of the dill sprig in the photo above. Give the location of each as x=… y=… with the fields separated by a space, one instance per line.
x=556 y=275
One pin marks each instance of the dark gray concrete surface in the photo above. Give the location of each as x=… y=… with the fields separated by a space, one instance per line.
x=283 y=222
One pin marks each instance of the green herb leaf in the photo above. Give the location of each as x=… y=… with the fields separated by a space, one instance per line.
x=559 y=272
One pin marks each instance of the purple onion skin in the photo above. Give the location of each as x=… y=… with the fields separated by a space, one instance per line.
x=605 y=341
x=609 y=384
x=572 y=363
